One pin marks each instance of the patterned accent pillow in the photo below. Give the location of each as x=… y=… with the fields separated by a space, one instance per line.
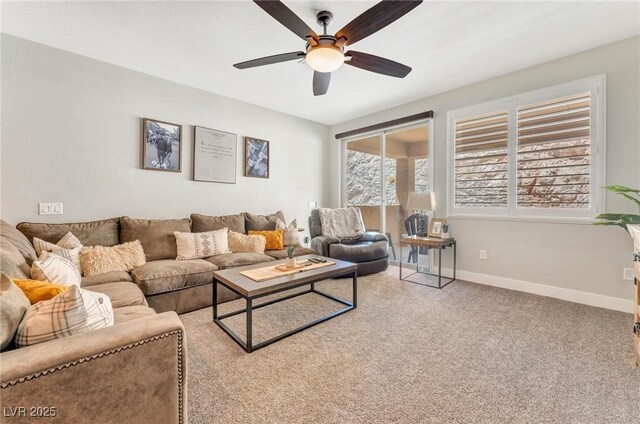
x=54 y=268
x=202 y=245
x=291 y=237
x=68 y=247
x=122 y=257
x=244 y=243
x=72 y=312
x=275 y=238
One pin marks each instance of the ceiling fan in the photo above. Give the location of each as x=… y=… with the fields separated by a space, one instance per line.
x=325 y=53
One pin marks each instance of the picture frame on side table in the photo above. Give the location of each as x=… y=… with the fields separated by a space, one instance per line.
x=215 y=155
x=161 y=145
x=256 y=158
x=435 y=227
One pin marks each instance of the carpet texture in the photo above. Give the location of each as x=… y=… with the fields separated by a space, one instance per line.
x=411 y=354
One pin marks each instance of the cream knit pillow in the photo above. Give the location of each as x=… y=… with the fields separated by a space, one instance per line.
x=201 y=245
x=123 y=257
x=243 y=243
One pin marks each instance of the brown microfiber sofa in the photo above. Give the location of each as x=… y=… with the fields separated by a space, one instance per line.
x=133 y=371
x=168 y=284
x=136 y=370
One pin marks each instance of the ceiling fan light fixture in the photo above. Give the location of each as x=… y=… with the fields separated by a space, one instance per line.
x=324 y=58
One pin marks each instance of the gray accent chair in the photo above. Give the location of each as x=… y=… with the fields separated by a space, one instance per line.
x=369 y=252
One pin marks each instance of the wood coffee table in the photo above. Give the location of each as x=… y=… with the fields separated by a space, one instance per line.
x=251 y=290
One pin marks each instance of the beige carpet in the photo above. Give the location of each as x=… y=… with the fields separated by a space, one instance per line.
x=411 y=354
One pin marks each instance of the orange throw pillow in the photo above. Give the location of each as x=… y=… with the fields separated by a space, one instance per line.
x=275 y=239
x=37 y=291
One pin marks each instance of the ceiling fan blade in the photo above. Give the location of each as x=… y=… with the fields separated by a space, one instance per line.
x=286 y=17
x=269 y=60
x=376 y=18
x=377 y=64
x=321 y=82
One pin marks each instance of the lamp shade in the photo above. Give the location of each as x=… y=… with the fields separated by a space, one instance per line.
x=422 y=201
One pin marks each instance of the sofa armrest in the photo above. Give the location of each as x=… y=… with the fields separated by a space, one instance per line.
x=321 y=244
x=131 y=372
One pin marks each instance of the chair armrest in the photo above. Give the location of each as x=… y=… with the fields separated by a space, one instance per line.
x=321 y=244
x=373 y=236
x=131 y=372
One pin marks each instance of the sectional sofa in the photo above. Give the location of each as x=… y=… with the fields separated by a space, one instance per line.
x=135 y=370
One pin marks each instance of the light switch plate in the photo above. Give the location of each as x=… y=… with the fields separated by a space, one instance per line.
x=50 y=209
x=313 y=204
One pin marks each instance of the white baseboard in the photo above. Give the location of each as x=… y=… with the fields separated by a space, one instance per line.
x=576 y=296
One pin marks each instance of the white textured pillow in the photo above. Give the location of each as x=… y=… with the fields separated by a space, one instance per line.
x=72 y=312
x=243 y=243
x=202 y=245
x=68 y=247
x=291 y=237
x=56 y=269
x=123 y=257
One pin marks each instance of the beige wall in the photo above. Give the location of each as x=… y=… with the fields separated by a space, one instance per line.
x=571 y=256
x=71 y=133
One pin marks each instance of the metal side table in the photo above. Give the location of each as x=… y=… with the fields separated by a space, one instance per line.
x=431 y=243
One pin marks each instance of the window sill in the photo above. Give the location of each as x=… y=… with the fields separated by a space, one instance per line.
x=538 y=219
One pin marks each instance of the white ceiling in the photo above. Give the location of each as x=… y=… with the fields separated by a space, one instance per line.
x=448 y=44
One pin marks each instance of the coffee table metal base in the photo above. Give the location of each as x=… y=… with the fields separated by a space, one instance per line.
x=247 y=344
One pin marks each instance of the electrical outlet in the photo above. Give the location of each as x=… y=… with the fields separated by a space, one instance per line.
x=628 y=274
x=313 y=204
x=483 y=255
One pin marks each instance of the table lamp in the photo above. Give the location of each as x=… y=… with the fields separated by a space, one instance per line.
x=422 y=202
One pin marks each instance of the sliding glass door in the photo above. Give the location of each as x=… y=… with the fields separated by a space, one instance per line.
x=379 y=172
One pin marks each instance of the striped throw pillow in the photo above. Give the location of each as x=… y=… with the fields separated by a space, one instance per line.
x=54 y=268
x=68 y=247
x=72 y=312
x=291 y=237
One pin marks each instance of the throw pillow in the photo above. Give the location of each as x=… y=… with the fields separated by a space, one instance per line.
x=37 y=291
x=13 y=305
x=291 y=237
x=51 y=267
x=68 y=247
x=202 y=245
x=244 y=243
x=122 y=257
x=72 y=312
x=275 y=238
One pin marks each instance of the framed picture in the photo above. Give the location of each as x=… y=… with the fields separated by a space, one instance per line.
x=214 y=155
x=435 y=227
x=256 y=158
x=161 y=145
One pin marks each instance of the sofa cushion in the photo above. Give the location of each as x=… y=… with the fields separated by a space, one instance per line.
x=168 y=274
x=128 y=313
x=202 y=223
x=156 y=235
x=92 y=233
x=19 y=241
x=107 y=277
x=121 y=293
x=360 y=252
x=262 y=222
x=13 y=305
x=230 y=260
x=12 y=262
x=282 y=254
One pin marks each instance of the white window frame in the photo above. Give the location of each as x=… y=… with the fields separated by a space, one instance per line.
x=597 y=86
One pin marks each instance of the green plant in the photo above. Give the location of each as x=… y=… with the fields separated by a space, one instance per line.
x=445 y=228
x=290 y=251
x=621 y=219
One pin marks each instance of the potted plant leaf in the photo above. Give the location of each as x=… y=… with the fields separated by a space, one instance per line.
x=621 y=219
x=290 y=262
x=445 y=231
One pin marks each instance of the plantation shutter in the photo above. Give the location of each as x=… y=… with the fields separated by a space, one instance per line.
x=554 y=153
x=481 y=163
